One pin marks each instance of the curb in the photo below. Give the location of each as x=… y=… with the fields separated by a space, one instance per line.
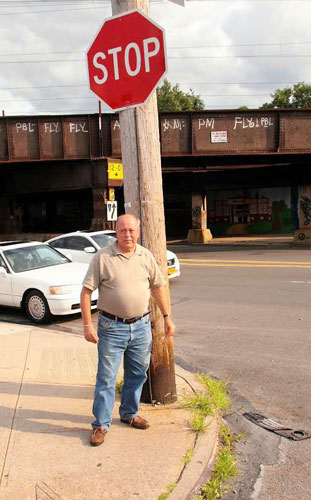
x=198 y=470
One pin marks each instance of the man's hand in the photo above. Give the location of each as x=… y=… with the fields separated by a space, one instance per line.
x=90 y=334
x=169 y=328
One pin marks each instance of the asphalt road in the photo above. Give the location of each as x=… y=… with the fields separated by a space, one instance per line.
x=243 y=314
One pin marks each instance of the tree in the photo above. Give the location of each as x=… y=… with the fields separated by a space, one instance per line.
x=297 y=96
x=171 y=98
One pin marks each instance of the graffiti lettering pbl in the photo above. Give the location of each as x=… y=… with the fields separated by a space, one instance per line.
x=77 y=127
x=24 y=127
x=174 y=124
x=206 y=123
x=305 y=205
x=50 y=128
x=244 y=122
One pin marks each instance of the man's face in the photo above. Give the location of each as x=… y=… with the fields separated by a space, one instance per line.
x=127 y=233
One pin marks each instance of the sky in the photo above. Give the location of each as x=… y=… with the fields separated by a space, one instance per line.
x=231 y=52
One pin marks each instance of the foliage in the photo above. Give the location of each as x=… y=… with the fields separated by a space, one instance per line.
x=197 y=422
x=165 y=495
x=215 y=397
x=119 y=386
x=217 y=390
x=225 y=468
x=171 y=98
x=188 y=456
x=297 y=96
x=200 y=402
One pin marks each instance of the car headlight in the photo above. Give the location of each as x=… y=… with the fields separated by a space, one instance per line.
x=63 y=289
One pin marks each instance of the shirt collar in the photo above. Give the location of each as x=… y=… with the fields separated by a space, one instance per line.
x=116 y=251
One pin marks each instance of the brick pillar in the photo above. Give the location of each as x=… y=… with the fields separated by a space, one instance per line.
x=99 y=220
x=302 y=235
x=199 y=232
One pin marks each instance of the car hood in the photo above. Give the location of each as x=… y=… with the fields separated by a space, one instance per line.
x=71 y=273
x=170 y=255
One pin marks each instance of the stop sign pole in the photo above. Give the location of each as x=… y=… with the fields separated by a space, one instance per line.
x=143 y=194
x=141 y=158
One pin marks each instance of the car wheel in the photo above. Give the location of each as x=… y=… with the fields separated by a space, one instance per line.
x=37 y=308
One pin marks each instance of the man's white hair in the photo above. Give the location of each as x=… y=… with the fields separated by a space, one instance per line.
x=128 y=215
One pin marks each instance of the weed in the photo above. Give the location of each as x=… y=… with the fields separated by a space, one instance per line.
x=169 y=489
x=225 y=468
x=119 y=386
x=217 y=390
x=200 y=402
x=188 y=456
x=197 y=422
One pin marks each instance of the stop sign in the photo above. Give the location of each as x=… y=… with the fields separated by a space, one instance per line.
x=127 y=60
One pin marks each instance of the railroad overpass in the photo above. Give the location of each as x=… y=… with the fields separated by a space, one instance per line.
x=247 y=171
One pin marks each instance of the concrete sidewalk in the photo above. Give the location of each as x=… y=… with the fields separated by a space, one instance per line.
x=267 y=240
x=47 y=382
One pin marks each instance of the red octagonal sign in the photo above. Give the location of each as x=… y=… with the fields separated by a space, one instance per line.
x=127 y=60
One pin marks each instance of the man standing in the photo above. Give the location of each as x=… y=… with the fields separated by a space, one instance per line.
x=125 y=273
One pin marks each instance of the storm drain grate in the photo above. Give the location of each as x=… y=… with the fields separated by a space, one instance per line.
x=271 y=425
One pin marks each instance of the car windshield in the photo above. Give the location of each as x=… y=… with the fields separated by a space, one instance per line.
x=103 y=239
x=28 y=258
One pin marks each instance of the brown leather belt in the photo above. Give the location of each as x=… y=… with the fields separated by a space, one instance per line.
x=128 y=321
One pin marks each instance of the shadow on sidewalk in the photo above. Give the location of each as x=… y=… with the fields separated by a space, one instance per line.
x=48 y=390
x=47 y=422
x=37 y=421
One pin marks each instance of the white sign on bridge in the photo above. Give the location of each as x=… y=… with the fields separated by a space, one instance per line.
x=112 y=211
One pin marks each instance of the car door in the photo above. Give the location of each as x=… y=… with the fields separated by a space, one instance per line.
x=6 y=296
x=73 y=246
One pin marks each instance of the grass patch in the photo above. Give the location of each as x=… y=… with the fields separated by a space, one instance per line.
x=169 y=489
x=225 y=468
x=217 y=391
x=188 y=456
x=197 y=422
x=215 y=397
x=119 y=386
x=200 y=402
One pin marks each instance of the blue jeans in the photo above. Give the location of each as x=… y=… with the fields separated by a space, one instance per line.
x=118 y=339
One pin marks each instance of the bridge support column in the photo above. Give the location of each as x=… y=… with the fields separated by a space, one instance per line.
x=302 y=235
x=99 y=220
x=199 y=232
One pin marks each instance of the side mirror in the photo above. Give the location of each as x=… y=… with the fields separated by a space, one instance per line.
x=89 y=250
x=3 y=271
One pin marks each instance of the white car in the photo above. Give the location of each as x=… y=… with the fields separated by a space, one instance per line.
x=81 y=245
x=40 y=280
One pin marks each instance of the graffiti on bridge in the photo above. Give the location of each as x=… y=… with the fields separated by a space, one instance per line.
x=305 y=205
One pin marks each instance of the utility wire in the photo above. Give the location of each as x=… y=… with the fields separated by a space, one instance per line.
x=107 y=110
x=276 y=44
x=91 y=97
x=44 y=11
x=179 y=83
x=280 y=56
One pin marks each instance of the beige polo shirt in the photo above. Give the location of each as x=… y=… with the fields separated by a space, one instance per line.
x=123 y=283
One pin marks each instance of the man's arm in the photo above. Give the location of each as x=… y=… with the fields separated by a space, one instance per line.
x=159 y=295
x=90 y=333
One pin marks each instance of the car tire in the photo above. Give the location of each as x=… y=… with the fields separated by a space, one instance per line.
x=37 y=308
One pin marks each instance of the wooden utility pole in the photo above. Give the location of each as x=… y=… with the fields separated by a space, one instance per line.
x=143 y=195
